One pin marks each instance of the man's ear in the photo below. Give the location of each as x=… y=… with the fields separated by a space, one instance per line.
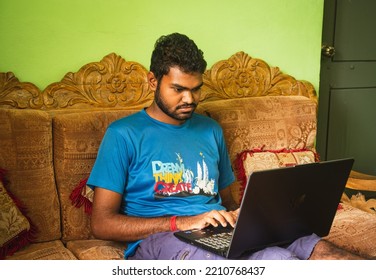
x=152 y=81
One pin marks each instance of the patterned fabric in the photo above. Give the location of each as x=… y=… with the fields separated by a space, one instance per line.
x=14 y=226
x=95 y=249
x=52 y=250
x=77 y=137
x=26 y=152
x=259 y=159
x=272 y=122
x=354 y=230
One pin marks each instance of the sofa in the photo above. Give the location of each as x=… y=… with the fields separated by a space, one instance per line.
x=49 y=139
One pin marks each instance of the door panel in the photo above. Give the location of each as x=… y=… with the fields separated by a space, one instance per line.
x=354 y=20
x=353 y=74
x=347 y=93
x=352 y=132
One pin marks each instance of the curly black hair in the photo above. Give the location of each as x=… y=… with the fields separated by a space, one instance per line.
x=176 y=50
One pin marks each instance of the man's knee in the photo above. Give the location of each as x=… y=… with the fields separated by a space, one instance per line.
x=273 y=253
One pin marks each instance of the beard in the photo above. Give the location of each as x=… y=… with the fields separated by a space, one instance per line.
x=173 y=112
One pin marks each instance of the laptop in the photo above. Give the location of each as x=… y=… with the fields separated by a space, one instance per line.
x=279 y=206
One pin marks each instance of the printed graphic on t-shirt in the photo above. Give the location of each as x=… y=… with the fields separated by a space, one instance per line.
x=174 y=179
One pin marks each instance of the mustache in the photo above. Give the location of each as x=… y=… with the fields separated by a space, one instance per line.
x=191 y=105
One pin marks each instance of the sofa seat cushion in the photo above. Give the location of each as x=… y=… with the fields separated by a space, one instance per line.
x=354 y=230
x=77 y=137
x=26 y=153
x=52 y=250
x=95 y=249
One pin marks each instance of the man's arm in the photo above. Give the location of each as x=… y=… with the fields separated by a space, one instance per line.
x=107 y=223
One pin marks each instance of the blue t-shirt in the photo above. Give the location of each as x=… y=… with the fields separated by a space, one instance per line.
x=162 y=169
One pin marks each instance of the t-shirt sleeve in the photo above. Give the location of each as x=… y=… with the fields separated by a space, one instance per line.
x=111 y=165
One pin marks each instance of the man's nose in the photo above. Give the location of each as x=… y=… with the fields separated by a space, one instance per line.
x=187 y=97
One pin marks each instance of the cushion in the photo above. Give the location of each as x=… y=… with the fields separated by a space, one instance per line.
x=95 y=249
x=77 y=137
x=26 y=153
x=51 y=250
x=259 y=159
x=15 y=227
x=354 y=230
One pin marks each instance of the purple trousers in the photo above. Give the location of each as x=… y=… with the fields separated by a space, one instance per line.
x=165 y=246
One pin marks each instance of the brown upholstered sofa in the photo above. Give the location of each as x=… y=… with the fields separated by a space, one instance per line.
x=49 y=140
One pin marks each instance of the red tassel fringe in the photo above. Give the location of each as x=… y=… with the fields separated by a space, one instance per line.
x=78 y=199
x=23 y=239
x=26 y=236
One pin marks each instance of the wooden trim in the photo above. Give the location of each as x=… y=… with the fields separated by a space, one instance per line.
x=116 y=83
x=19 y=95
x=243 y=76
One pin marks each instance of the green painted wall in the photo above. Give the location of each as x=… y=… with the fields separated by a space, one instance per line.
x=42 y=40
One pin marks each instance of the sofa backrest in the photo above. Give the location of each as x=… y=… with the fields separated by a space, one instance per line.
x=76 y=139
x=270 y=123
x=26 y=154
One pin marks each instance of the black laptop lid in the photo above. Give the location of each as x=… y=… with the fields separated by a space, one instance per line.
x=281 y=205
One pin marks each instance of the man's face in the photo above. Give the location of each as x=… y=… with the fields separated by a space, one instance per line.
x=177 y=95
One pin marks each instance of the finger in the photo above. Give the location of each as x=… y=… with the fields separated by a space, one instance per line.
x=235 y=213
x=221 y=217
x=230 y=217
x=214 y=218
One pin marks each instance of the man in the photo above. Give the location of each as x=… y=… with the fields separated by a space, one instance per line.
x=166 y=168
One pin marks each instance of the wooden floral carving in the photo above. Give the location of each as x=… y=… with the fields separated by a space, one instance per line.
x=19 y=95
x=244 y=76
x=116 y=83
x=112 y=82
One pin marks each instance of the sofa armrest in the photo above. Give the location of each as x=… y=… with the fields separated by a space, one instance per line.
x=361 y=181
x=360 y=191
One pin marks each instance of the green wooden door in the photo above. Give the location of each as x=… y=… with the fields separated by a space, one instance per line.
x=347 y=94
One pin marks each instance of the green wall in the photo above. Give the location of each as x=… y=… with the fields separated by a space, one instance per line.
x=42 y=40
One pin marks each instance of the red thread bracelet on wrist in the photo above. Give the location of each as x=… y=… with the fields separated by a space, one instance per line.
x=173 y=226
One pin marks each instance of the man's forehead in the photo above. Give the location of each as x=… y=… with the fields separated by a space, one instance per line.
x=179 y=78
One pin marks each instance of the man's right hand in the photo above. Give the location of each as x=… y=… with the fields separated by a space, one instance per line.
x=213 y=218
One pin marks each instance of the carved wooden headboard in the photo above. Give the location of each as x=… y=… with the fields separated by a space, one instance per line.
x=116 y=83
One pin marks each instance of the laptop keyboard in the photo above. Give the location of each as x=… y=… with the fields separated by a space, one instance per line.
x=217 y=241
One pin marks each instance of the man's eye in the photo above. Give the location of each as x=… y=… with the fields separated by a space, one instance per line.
x=179 y=90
